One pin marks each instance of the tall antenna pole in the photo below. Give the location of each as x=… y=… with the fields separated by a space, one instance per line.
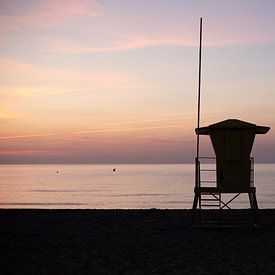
x=199 y=92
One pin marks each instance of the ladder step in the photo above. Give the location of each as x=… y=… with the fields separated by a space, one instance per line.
x=209 y=193
x=209 y=199
x=211 y=205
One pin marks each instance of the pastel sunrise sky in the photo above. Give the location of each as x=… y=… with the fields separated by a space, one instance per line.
x=115 y=81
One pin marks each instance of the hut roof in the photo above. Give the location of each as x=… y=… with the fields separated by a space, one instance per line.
x=232 y=124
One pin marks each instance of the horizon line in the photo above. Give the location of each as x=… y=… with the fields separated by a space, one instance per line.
x=112 y=163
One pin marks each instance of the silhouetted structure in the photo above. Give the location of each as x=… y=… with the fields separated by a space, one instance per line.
x=232 y=141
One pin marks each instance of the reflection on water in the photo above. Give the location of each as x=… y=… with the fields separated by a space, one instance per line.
x=98 y=186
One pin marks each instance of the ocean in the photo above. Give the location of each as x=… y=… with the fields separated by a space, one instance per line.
x=141 y=186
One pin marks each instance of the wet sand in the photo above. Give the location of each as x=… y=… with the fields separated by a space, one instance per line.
x=132 y=242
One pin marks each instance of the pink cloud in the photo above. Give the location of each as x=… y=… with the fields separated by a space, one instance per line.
x=173 y=34
x=138 y=42
x=62 y=80
x=126 y=43
x=48 y=13
x=127 y=129
x=23 y=153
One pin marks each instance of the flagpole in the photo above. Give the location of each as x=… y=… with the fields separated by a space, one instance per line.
x=199 y=92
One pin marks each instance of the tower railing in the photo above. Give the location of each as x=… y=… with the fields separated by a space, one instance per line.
x=206 y=172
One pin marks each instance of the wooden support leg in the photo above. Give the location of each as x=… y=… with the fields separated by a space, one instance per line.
x=251 y=200
x=254 y=206
x=195 y=207
x=195 y=202
x=255 y=201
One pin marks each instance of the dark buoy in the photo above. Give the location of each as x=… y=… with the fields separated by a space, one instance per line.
x=114 y=169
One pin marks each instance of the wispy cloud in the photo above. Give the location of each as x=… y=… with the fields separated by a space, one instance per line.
x=26 y=153
x=95 y=131
x=126 y=129
x=62 y=81
x=126 y=42
x=45 y=13
x=111 y=35
x=28 y=136
x=121 y=44
x=182 y=121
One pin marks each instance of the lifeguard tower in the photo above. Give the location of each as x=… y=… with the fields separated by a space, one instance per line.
x=232 y=141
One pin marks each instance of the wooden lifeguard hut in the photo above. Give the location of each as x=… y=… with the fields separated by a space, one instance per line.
x=232 y=141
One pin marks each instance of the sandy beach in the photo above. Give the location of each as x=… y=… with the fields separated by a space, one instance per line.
x=132 y=242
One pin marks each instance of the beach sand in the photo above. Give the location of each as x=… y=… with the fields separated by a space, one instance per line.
x=132 y=242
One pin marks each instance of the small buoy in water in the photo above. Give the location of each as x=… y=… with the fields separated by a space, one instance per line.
x=114 y=169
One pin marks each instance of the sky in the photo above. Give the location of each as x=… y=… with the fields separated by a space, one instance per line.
x=115 y=81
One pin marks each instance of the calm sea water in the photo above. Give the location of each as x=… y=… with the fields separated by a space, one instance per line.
x=129 y=187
